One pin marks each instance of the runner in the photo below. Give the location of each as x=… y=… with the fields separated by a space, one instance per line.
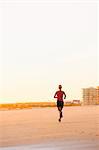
x=60 y=95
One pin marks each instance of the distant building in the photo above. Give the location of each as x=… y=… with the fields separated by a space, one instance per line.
x=68 y=102
x=76 y=102
x=91 y=96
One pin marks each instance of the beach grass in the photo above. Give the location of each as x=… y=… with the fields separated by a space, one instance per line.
x=30 y=105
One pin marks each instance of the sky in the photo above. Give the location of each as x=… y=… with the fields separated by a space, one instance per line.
x=44 y=44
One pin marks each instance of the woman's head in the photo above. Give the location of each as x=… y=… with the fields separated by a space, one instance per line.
x=60 y=87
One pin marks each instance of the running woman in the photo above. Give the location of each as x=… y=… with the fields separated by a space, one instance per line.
x=60 y=95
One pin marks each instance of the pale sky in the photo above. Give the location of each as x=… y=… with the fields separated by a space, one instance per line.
x=44 y=44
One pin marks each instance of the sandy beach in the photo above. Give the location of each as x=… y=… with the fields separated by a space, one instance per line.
x=38 y=128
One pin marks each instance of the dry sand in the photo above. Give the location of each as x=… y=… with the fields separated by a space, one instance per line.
x=38 y=128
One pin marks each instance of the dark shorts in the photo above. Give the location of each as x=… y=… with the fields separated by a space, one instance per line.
x=60 y=104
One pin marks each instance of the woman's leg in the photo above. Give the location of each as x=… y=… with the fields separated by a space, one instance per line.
x=60 y=113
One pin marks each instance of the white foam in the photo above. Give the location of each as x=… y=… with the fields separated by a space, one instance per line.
x=62 y=145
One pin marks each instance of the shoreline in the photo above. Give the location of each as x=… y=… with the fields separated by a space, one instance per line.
x=62 y=144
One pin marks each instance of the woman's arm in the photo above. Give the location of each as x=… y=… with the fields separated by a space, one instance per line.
x=55 y=96
x=64 y=95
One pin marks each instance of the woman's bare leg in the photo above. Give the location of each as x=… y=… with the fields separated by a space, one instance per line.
x=60 y=113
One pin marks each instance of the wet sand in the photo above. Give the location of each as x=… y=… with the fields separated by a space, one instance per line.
x=38 y=128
